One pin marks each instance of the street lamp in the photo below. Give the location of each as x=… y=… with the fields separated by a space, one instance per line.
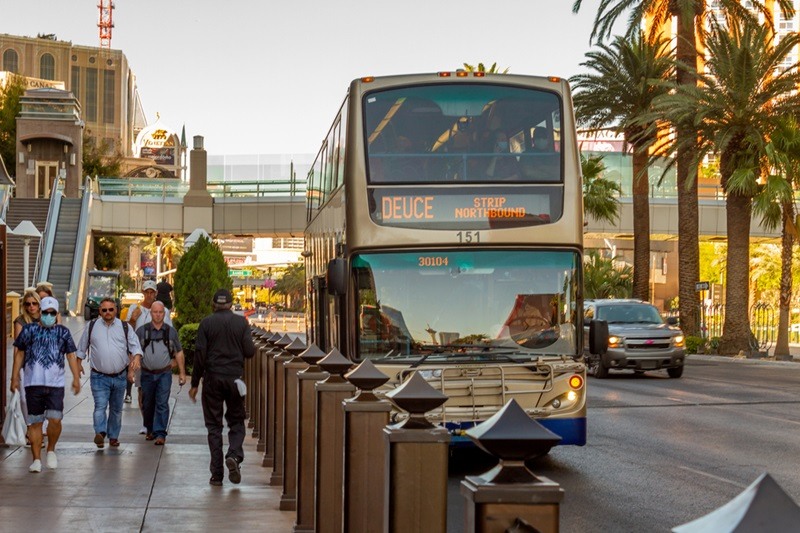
x=27 y=231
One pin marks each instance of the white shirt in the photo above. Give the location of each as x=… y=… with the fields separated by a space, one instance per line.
x=109 y=349
x=145 y=317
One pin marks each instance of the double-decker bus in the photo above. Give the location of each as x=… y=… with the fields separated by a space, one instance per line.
x=445 y=235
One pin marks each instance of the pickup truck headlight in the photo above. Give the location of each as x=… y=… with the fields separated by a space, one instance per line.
x=679 y=341
x=614 y=341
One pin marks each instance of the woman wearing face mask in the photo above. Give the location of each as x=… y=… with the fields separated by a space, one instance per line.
x=503 y=166
x=29 y=314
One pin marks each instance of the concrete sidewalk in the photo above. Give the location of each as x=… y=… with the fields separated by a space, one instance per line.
x=138 y=486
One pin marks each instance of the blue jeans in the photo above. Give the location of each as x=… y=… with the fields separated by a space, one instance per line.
x=109 y=395
x=155 y=402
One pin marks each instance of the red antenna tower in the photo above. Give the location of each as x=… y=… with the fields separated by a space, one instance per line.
x=106 y=23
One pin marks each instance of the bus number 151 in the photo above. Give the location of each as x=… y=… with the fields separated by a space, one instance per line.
x=468 y=237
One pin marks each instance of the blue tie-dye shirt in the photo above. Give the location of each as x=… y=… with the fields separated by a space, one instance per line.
x=45 y=349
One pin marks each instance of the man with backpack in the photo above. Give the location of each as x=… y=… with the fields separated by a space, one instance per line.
x=161 y=352
x=114 y=355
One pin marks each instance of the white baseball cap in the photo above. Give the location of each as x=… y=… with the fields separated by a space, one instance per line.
x=149 y=285
x=48 y=302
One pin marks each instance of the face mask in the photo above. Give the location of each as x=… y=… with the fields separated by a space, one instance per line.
x=47 y=320
x=502 y=146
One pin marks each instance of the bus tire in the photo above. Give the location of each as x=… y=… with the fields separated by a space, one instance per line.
x=675 y=372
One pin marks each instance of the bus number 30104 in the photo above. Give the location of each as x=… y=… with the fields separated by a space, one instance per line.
x=469 y=237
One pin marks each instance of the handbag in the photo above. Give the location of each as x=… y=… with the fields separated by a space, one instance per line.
x=14 y=427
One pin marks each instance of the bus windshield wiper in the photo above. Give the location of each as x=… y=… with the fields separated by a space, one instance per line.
x=456 y=350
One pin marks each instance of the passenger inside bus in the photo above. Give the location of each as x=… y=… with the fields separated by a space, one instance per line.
x=541 y=162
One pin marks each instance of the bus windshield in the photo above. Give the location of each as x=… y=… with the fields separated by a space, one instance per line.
x=450 y=306
x=463 y=132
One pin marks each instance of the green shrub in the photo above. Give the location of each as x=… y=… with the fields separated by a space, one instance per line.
x=695 y=344
x=188 y=337
x=201 y=272
x=713 y=345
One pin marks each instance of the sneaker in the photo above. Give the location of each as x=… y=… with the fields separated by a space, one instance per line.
x=149 y=436
x=100 y=440
x=127 y=398
x=215 y=481
x=143 y=431
x=52 y=460
x=160 y=441
x=234 y=474
x=113 y=442
x=35 y=467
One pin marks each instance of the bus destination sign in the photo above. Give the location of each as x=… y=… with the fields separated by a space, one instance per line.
x=459 y=208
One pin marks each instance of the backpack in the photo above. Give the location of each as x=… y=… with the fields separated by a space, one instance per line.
x=165 y=331
x=125 y=327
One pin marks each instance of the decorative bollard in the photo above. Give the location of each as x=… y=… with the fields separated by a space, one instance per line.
x=265 y=348
x=509 y=495
x=269 y=451
x=416 y=462
x=329 y=470
x=306 y=429
x=291 y=386
x=365 y=416
x=277 y=436
x=253 y=385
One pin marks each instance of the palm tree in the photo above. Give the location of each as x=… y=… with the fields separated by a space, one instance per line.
x=735 y=109
x=600 y=196
x=689 y=18
x=603 y=279
x=625 y=78
x=480 y=67
x=775 y=204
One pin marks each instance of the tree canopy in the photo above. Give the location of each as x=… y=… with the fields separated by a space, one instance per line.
x=201 y=272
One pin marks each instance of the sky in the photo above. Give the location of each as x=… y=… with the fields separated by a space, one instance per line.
x=267 y=76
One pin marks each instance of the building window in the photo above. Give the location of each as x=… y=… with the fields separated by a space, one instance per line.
x=47 y=67
x=75 y=82
x=108 y=96
x=11 y=61
x=91 y=95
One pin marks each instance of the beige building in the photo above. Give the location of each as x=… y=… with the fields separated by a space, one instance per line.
x=100 y=79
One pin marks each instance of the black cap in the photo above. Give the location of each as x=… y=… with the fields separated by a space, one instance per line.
x=223 y=296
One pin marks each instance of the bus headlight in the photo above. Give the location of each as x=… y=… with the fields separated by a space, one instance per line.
x=572 y=395
x=430 y=374
x=679 y=341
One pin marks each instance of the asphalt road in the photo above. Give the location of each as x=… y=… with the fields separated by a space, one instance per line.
x=662 y=452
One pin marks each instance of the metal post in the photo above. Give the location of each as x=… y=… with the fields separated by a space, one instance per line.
x=416 y=462
x=291 y=386
x=306 y=429
x=364 y=453
x=329 y=468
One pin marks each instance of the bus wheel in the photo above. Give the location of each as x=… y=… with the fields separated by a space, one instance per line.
x=597 y=368
x=675 y=372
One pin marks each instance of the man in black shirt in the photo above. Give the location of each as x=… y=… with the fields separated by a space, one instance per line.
x=223 y=342
x=164 y=293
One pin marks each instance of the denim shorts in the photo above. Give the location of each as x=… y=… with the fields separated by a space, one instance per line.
x=44 y=402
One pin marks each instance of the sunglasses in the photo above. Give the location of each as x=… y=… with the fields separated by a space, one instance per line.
x=31 y=304
x=51 y=313
x=108 y=309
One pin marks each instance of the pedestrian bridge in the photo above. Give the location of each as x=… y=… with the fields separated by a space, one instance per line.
x=277 y=209
x=131 y=206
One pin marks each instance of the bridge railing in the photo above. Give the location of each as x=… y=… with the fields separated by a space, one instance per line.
x=173 y=188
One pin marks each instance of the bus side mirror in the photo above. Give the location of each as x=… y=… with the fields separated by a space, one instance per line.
x=337 y=277
x=598 y=337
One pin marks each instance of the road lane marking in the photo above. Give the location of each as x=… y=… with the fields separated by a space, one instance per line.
x=712 y=476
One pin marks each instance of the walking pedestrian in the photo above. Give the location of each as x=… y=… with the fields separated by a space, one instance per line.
x=223 y=342
x=138 y=316
x=42 y=348
x=114 y=354
x=161 y=352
